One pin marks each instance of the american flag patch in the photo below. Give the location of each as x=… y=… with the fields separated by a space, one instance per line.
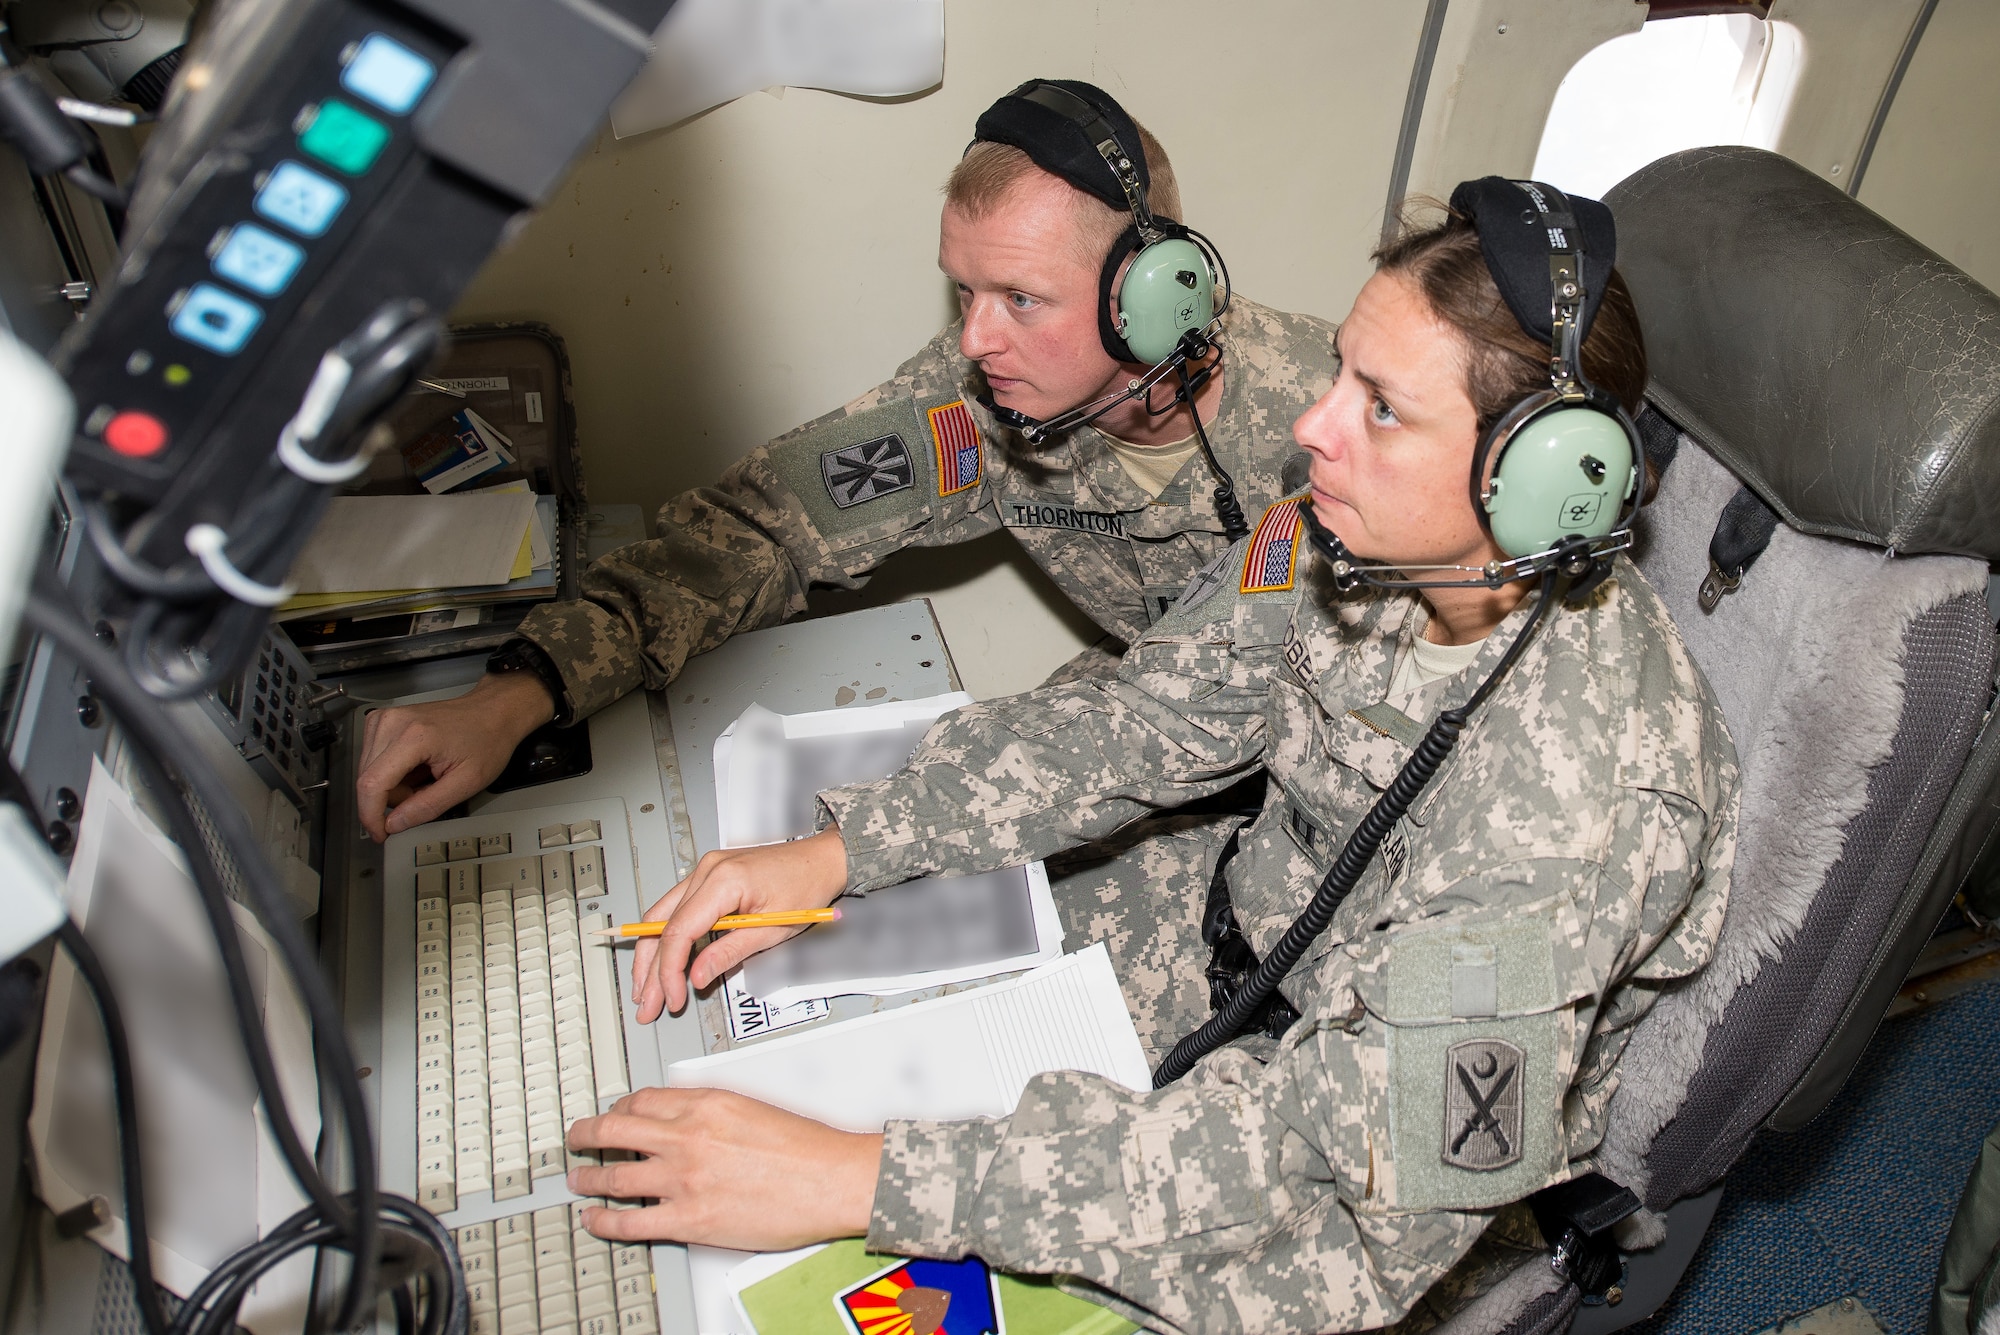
x=1274 y=549
x=957 y=443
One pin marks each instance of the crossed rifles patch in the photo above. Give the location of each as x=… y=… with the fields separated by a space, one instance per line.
x=1482 y=1104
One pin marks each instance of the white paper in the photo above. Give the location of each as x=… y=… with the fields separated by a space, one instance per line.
x=769 y=769
x=966 y=1055
x=367 y=543
x=958 y=928
x=214 y=1180
x=541 y=545
x=708 y=52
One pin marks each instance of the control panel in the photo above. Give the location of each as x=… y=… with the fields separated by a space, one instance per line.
x=250 y=239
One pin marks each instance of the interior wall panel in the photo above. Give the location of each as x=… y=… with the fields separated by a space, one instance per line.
x=1499 y=63
x=1936 y=172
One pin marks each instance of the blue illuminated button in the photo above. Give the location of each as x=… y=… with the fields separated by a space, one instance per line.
x=217 y=320
x=254 y=258
x=387 y=73
x=300 y=198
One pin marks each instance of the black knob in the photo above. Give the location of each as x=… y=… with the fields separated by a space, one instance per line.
x=61 y=837
x=68 y=806
x=87 y=711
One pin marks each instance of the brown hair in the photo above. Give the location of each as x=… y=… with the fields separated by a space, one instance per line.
x=989 y=172
x=1504 y=363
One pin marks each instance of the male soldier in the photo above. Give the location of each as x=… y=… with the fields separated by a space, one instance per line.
x=1120 y=512
x=1463 y=1014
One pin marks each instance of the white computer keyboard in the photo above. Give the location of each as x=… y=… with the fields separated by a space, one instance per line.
x=503 y=1022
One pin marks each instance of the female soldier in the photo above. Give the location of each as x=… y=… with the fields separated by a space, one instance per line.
x=1463 y=1018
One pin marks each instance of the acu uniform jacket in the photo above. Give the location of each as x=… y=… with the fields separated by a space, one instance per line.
x=1464 y=1016
x=917 y=462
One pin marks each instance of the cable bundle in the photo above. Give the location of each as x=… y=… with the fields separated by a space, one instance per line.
x=393 y=1244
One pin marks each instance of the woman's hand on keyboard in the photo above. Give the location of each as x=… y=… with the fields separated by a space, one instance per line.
x=726 y=1170
x=803 y=874
x=462 y=744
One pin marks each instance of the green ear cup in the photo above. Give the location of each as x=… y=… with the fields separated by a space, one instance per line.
x=1167 y=291
x=1566 y=471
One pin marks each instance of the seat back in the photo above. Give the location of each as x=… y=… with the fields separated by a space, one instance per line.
x=1805 y=349
x=1850 y=378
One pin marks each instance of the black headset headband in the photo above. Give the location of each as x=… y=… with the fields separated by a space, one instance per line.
x=1078 y=132
x=1523 y=227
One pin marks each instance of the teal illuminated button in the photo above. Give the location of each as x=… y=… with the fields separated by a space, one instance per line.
x=251 y=257
x=299 y=198
x=387 y=73
x=344 y=138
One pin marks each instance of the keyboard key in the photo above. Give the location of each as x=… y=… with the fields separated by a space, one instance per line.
x=607 y=1022
x=588 y=872
x=462 y=848
x=640 y=1319
x=585 y=831
x=629 y=1261
x=429 y=854
x=493 y=845
x=520 y=1319
x=553 y=835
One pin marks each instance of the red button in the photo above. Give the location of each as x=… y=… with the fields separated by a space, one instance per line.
x=136 y=435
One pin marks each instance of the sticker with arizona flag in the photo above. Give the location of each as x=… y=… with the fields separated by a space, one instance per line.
x=957 y=442
x=924 y=1298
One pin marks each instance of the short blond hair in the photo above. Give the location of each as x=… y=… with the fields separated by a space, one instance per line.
x=989 y=172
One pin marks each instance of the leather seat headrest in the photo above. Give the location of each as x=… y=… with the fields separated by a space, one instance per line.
x=1846 y=373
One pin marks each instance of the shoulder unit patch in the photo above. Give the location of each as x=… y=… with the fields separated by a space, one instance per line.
x=865 y=472
x=1482 y=1100
x=1272 y=561
x=956 y=440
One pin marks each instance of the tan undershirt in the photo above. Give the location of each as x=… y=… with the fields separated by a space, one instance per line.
x=1427 y=663
x=1151 y=467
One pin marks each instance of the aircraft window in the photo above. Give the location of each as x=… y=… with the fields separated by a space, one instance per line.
x=1674 y=84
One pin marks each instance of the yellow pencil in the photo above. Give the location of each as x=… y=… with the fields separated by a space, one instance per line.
x=731 y=922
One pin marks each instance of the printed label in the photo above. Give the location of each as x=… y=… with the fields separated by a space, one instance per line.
x=1063 y=516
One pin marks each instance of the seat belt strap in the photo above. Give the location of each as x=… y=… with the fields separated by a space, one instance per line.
x=1741 y=535
x=1576 y=1218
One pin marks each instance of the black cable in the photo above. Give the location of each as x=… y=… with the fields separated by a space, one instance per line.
x=1354 y=858
x=159 y=741
x=1227 y=507
x=138 y=1240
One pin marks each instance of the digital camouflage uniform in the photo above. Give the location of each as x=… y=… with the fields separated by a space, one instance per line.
x=916 y=462
x=1462 y=1019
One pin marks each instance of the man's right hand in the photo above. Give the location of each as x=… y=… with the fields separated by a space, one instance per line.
x=418 y=761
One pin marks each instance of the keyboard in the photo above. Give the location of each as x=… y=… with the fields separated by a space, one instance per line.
x=503 y=1022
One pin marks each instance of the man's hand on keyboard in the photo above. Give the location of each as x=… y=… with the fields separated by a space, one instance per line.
x=803 y=874
x=726 y=1170
x=461 y=745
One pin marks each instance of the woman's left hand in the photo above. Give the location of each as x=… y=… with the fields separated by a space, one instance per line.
x=726 y=1170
